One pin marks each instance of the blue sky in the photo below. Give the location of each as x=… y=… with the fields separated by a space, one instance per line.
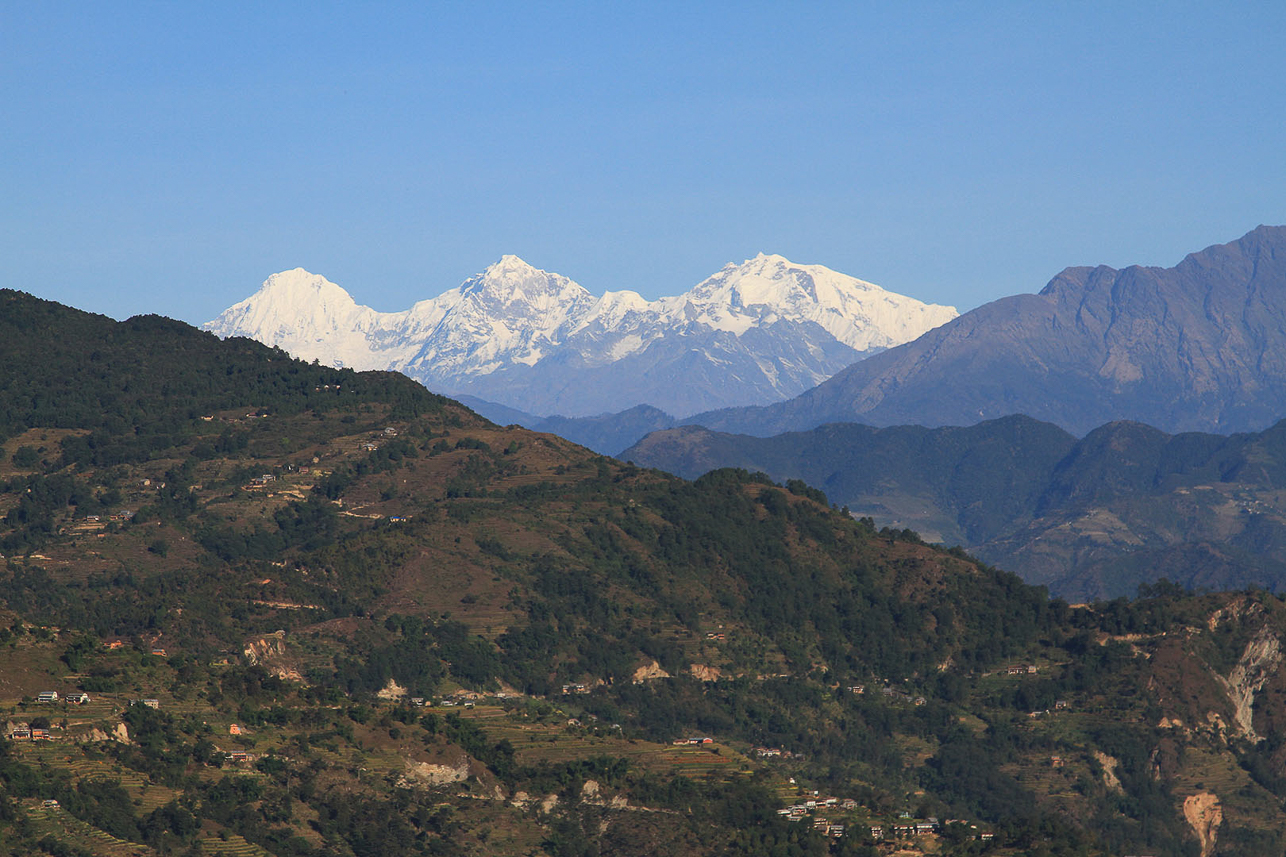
x=168 y=157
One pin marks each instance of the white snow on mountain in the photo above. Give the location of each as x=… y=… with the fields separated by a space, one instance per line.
x=766 y=289
x=311 y=318
x=540 y=342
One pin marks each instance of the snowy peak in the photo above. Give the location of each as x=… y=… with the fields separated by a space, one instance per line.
x=776 y=281
x=540 y=342
x=513 y=288
x=769 y=288
x=285 y=304
x=294 y=294
x=298 y=281
x=308 y=316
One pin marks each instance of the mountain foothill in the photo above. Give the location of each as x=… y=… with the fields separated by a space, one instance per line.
x=1146 y=363
x=252 y=604
x=1193 y=348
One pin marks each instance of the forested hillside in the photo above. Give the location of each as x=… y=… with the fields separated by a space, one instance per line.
x=325 y=613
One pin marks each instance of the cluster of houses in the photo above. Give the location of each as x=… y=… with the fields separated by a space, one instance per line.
x=1021 y=669
x=888 y=693
x=575 y=687
x=834 y=831
x=114 y=643
x=48 y=696
x=255 y=415
x=1059 y=705
x=905 y=828
x=716 y=635
x=24 y=732
x=929 y=826
x=898 y=696
x=258 y=482
x=772 y=753
x=800 y=811
x=683 y=742
x=371 y=446
x=915 y=828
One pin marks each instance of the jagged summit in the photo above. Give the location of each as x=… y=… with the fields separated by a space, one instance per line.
x=857 y=313
x=758 y=331
x=511 y=281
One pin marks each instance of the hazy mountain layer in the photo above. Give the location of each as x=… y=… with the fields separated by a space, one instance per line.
x=1128 y=504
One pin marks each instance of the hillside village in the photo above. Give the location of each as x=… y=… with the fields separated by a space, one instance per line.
x=88 y=737
x=492 y=641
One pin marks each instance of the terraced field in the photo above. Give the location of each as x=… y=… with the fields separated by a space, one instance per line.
x=57 y=824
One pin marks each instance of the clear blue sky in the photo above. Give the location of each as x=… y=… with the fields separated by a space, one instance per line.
x=168 y=157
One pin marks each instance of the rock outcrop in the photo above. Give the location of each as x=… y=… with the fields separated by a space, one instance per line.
x=702 y=672
x=1205 y=815
x=1256 y=666
x=430 y=774
x=649 y=672
x=1109 y=765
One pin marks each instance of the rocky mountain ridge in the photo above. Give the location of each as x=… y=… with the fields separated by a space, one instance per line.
x=1197 y=347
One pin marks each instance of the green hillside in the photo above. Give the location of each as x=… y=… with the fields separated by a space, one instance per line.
x=373 y=623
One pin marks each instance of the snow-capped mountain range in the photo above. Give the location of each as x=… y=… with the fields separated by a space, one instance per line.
x=754 y=333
